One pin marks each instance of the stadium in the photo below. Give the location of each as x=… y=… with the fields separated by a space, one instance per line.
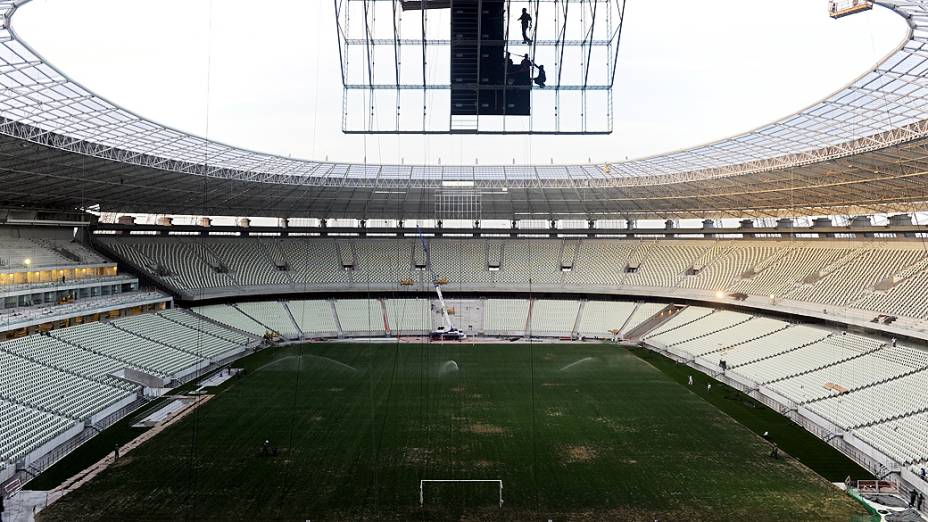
x=193 y=330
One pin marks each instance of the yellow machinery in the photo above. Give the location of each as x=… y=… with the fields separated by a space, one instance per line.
x=441 y=281
x=407 y=282
x=841 y=8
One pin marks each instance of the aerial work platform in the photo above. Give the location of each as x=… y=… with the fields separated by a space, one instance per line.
x=478 y=66
x=842 y=8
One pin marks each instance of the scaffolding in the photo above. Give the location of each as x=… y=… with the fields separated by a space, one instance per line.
x=465 y=66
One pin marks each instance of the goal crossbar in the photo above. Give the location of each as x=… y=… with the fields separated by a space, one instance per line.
x=423 y=481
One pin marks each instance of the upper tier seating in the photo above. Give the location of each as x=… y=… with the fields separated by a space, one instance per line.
x=875 y=276
x=15 y=251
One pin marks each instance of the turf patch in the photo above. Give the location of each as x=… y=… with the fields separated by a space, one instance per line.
x=630 y=444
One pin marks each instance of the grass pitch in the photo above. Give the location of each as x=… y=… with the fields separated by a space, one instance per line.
x=575 y=432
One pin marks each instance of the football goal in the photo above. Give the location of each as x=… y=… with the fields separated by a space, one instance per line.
x=422 y=484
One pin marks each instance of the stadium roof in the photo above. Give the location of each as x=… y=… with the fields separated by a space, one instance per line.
x=861 y=150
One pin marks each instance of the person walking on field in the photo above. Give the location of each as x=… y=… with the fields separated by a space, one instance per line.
x=526 y=20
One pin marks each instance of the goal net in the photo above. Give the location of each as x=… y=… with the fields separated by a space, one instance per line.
x=492 y=484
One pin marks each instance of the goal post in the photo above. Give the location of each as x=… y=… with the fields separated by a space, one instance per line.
x=424 y=481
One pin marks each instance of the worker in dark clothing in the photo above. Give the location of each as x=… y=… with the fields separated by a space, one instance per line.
x=541 y=78
x=913 y=495
x=510 y=69
x=918 y=503
x=524 y=76
x=526 y=20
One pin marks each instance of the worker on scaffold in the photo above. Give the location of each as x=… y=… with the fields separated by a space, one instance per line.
x=526 y=20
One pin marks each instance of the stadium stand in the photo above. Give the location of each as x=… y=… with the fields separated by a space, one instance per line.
x=599 y=317
x=43 y=388
x=314 y=318
x=553 y=318
x=232 y=317
x=26 y=428
x=360 y=316
x=806 y=274
x=902 y=439
x=52 y=385
x=505 y=316
x=156 y=358
x=709 y=324
x=274 y=315
x=159 y=329
x=642 y=313
x=685 y=317
x=183 y=318
x=408 y=316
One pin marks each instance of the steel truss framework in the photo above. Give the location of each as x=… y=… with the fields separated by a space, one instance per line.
x=863 y=149
x=400 y=85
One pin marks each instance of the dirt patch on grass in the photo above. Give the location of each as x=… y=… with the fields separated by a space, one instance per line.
x=483 y=464
x=457 y=389
x=573 y=454
x=553 y=412
x=476 y=396
x=615 y=426
x=336 y=390
x=417 y=455
x=316 y=418
x=551 y=384
x=485 y=429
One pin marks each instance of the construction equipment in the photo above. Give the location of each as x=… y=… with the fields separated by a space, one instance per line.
x=448 y=331
x=842 y=8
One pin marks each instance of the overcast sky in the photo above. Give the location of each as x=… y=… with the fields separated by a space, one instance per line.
x=264 y=75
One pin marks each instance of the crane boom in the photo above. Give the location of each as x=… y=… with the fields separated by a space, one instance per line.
x=449 y=330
